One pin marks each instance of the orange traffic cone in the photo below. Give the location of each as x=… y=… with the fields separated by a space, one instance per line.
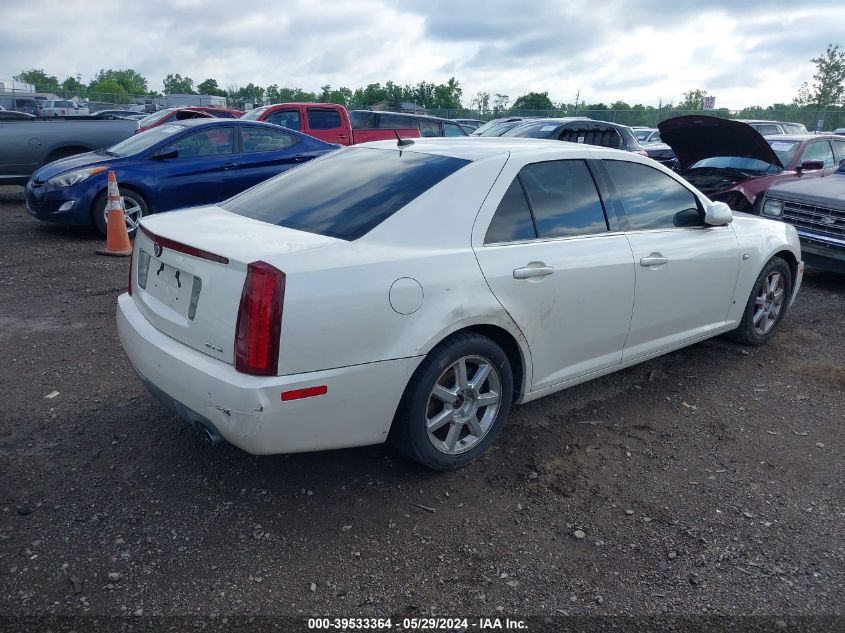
x=117 y=236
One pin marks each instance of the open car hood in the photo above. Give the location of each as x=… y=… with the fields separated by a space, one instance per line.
x=696 y=137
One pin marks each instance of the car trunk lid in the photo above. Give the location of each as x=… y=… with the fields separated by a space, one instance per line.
x=189 y=269
x=696 y=137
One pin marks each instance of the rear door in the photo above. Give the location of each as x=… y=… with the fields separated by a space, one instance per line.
x=205 y=170
x=686 y=271
x=327 y=124
x=267 y=152
x=560 y=268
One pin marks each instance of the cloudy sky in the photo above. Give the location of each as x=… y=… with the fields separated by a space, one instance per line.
x=639 y=51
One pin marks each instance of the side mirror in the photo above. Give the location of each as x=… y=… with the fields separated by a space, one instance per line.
x=810 y=165
x=167 y=152
x=718 y=214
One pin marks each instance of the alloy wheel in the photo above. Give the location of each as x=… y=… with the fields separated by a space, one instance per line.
x=463 y=404
x=769 y=303
x=133 y=212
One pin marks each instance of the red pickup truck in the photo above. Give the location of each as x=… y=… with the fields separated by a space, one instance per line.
x=332 y=123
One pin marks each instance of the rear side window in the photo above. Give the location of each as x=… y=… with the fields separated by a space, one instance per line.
x=362 y=120
x=394 y=122
x=601 y=136
x=765 y=129
x=651 y=199
x=323 y=119
x=286 y=118
x=563 y=198
x=346 y=194
x=429 y=128
x=512 y=221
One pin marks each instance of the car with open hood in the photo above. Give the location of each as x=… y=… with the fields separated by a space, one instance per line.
x=731 y=162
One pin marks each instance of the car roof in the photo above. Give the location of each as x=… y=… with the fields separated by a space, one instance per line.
x=796 y=137
x=218 y=121
x=478 y=147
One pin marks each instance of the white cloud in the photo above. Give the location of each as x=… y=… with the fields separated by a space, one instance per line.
x=637 y=52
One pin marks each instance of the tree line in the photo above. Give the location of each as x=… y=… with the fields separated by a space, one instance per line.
x=827 y=90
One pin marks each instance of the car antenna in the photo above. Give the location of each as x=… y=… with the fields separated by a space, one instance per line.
x=402 y=142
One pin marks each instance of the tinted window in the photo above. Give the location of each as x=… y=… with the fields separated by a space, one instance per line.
x=285 y=118
x=429 y=128
x=819 y=150
x=347 y=193
x=539 y=129
x=512 y=220
x=266 y=140
x=362 y=120
x=563 y=198
x=210 y=142
x=450 y=129
x=394 y=122
x=767 y=129
x=323 y=119
x=651 y=199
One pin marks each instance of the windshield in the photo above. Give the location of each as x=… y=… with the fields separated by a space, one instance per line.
x=346 y=194
x=540 y=129
x=155 y=116
x=736 y=162
x=642 y=135
x=144 y=140
x=253 y=114
x=785 y=150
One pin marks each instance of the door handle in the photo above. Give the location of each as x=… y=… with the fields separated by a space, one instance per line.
x=655 y=259
x=532 y=271
x=229 y=166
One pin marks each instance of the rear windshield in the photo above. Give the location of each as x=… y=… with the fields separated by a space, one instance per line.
x=540 y=129
x=253 y=114
x=346 y=194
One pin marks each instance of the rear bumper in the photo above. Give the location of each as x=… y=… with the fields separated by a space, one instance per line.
x=248 y=411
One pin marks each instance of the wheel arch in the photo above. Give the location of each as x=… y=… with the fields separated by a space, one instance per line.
x=791 y=260
x=510 y=339
x=127 y=187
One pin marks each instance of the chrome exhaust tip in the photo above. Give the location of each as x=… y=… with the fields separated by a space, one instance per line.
x=211 y=435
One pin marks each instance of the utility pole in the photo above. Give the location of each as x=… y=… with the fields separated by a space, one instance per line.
x=577 y=98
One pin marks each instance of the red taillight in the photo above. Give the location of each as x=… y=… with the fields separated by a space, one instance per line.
x=260 y=320
x=129 y=286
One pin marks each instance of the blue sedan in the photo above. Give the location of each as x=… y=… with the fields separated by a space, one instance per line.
x=181 y=164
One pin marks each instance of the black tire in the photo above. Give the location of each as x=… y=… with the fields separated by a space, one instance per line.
x=131 y=198
x=409 y=431
x=747 y=333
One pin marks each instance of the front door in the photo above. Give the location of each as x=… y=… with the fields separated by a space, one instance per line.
x=565 y=279
x=686 y=272
x=205 y=171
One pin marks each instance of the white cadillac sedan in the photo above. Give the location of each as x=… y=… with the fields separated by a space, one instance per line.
x=416 y=292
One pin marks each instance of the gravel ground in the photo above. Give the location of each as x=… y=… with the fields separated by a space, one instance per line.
x=706 y=482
